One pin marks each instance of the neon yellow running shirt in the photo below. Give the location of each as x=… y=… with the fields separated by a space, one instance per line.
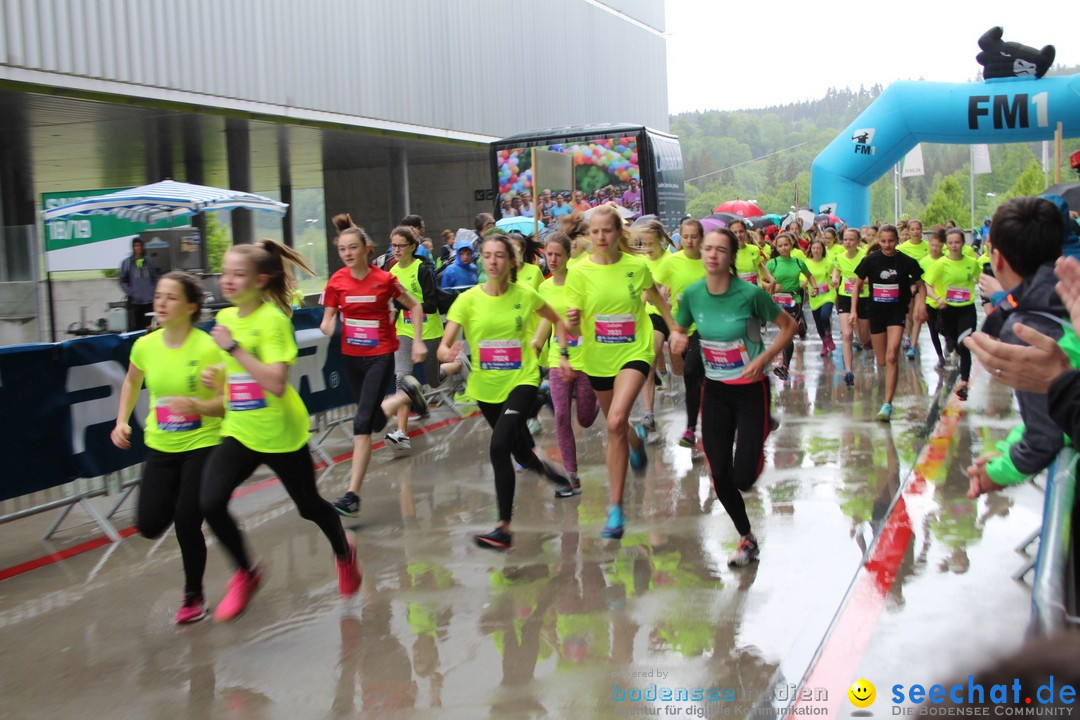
x=497 y=327
x=257 y=418
x=410 y=280
x=955 y=280
x=176 y=372
x=555 y=296
x=615 y=328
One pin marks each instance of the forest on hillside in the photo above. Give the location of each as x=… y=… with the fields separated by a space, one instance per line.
x=765 y=155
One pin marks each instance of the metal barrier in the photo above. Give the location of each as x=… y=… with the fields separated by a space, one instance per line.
x=1053 y=593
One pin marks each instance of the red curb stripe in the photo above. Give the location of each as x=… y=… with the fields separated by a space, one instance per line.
x=849 y=635
x=96 y=543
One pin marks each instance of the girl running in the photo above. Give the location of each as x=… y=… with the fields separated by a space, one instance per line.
x=823 y=298
x=933 y=321
x=606 y=310
x=362 y=294
x=893 y=278
x=950 y=283
x=676 y=273
x=750 y=261
x=181 y=429
x=505 y=374
x=735 y=409
x=786 y=289
x=844 y=281
x=265 y=419
x=417 y=277
x=652 y=241
x=565 y=388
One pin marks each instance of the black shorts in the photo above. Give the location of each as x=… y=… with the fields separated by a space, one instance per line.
x=843 y=305
x=660 y=325
x=885 y=315
x=603 y=384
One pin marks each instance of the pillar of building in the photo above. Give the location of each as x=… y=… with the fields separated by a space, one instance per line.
x=238 y=153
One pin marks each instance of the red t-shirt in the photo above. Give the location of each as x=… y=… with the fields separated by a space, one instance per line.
x=365 y=310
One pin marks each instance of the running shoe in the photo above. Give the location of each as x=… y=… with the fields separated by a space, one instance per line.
x=240 y=590
x=940 y=363
x=192 y=610
x=781 y=372
x=849 y=379
x=398 y=441
x=885 y=413
x=563 y=487
x=774 y=424
x=745 y=553
x=688 y=439
x=412 y=387
x=614 y=528
x=663 y=379
x=648 y=422
x=575 y=482
x=962 y=391
x=832 y=343
x=348 y=505
x=906 y=344
x=497 y=539
x=824 y=350
x=856 y=345
x=910 y=352
x=535 y=426
x=638 y=456
x=348 y=572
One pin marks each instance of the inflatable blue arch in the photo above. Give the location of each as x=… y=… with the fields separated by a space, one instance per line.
x=1001 y=110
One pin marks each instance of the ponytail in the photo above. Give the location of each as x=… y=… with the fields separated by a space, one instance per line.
x=276 y=262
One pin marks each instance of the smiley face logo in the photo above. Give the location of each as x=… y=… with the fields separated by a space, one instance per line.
x=862 y=693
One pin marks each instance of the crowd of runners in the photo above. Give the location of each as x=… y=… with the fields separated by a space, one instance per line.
x=589 y=320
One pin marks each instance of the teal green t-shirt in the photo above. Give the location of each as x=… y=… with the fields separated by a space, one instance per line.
x=787 y=273
x=729 y=325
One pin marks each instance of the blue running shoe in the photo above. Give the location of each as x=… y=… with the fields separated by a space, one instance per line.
x=638 y=457
x=614 y=528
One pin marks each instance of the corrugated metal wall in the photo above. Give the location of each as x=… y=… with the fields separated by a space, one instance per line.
x=491 y=67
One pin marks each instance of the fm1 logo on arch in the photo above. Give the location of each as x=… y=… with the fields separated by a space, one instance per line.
x=1008 y=111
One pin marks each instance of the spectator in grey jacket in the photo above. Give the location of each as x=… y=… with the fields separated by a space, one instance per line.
x=137 y=280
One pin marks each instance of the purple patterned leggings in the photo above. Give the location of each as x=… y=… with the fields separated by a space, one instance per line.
x=588 y=407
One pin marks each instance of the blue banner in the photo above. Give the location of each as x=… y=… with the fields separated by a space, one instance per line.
x=59 y=403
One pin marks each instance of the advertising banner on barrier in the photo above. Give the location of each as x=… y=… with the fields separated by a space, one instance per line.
x=61 y=401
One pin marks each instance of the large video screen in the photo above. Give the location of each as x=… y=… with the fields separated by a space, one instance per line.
x=603 y=171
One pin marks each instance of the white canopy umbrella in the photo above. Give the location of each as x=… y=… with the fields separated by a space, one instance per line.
x=165 y=199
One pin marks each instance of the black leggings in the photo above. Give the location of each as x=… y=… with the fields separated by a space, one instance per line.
x=731 y=410
x=368 y=378
x=232 y=463
x=933 y=324
x=956 y=324
x=510 y=438
x=693 y=376
x=797 y=313
x=169 y=495
x=823 y=321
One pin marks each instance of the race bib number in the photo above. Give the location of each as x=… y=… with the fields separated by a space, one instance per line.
x=355 y=299
x=958 y=295
x=615 y=329
x=572 y=341
x=245 y=393
x=750 y=277
x=823 y=289
x=169 y=421
x=500 y=354
x=849 y=286
x=408 y=317
x=724 y=356
x=886 y=293
x=362 y=333
x=786 y=300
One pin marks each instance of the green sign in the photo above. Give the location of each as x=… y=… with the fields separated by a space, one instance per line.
x=86 y=229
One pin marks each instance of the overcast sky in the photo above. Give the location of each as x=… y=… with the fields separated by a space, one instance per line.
x=728 y=55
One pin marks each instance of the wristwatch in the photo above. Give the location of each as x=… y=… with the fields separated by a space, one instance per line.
x=232 y=348
x=565 y=352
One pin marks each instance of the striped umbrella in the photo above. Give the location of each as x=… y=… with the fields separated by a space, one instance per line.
x=165 y=199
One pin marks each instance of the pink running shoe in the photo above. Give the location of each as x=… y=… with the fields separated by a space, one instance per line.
x=348 y=572
x=241 y=588
x=193 y=609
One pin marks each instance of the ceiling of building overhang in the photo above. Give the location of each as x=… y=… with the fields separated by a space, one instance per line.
x=78 y=144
